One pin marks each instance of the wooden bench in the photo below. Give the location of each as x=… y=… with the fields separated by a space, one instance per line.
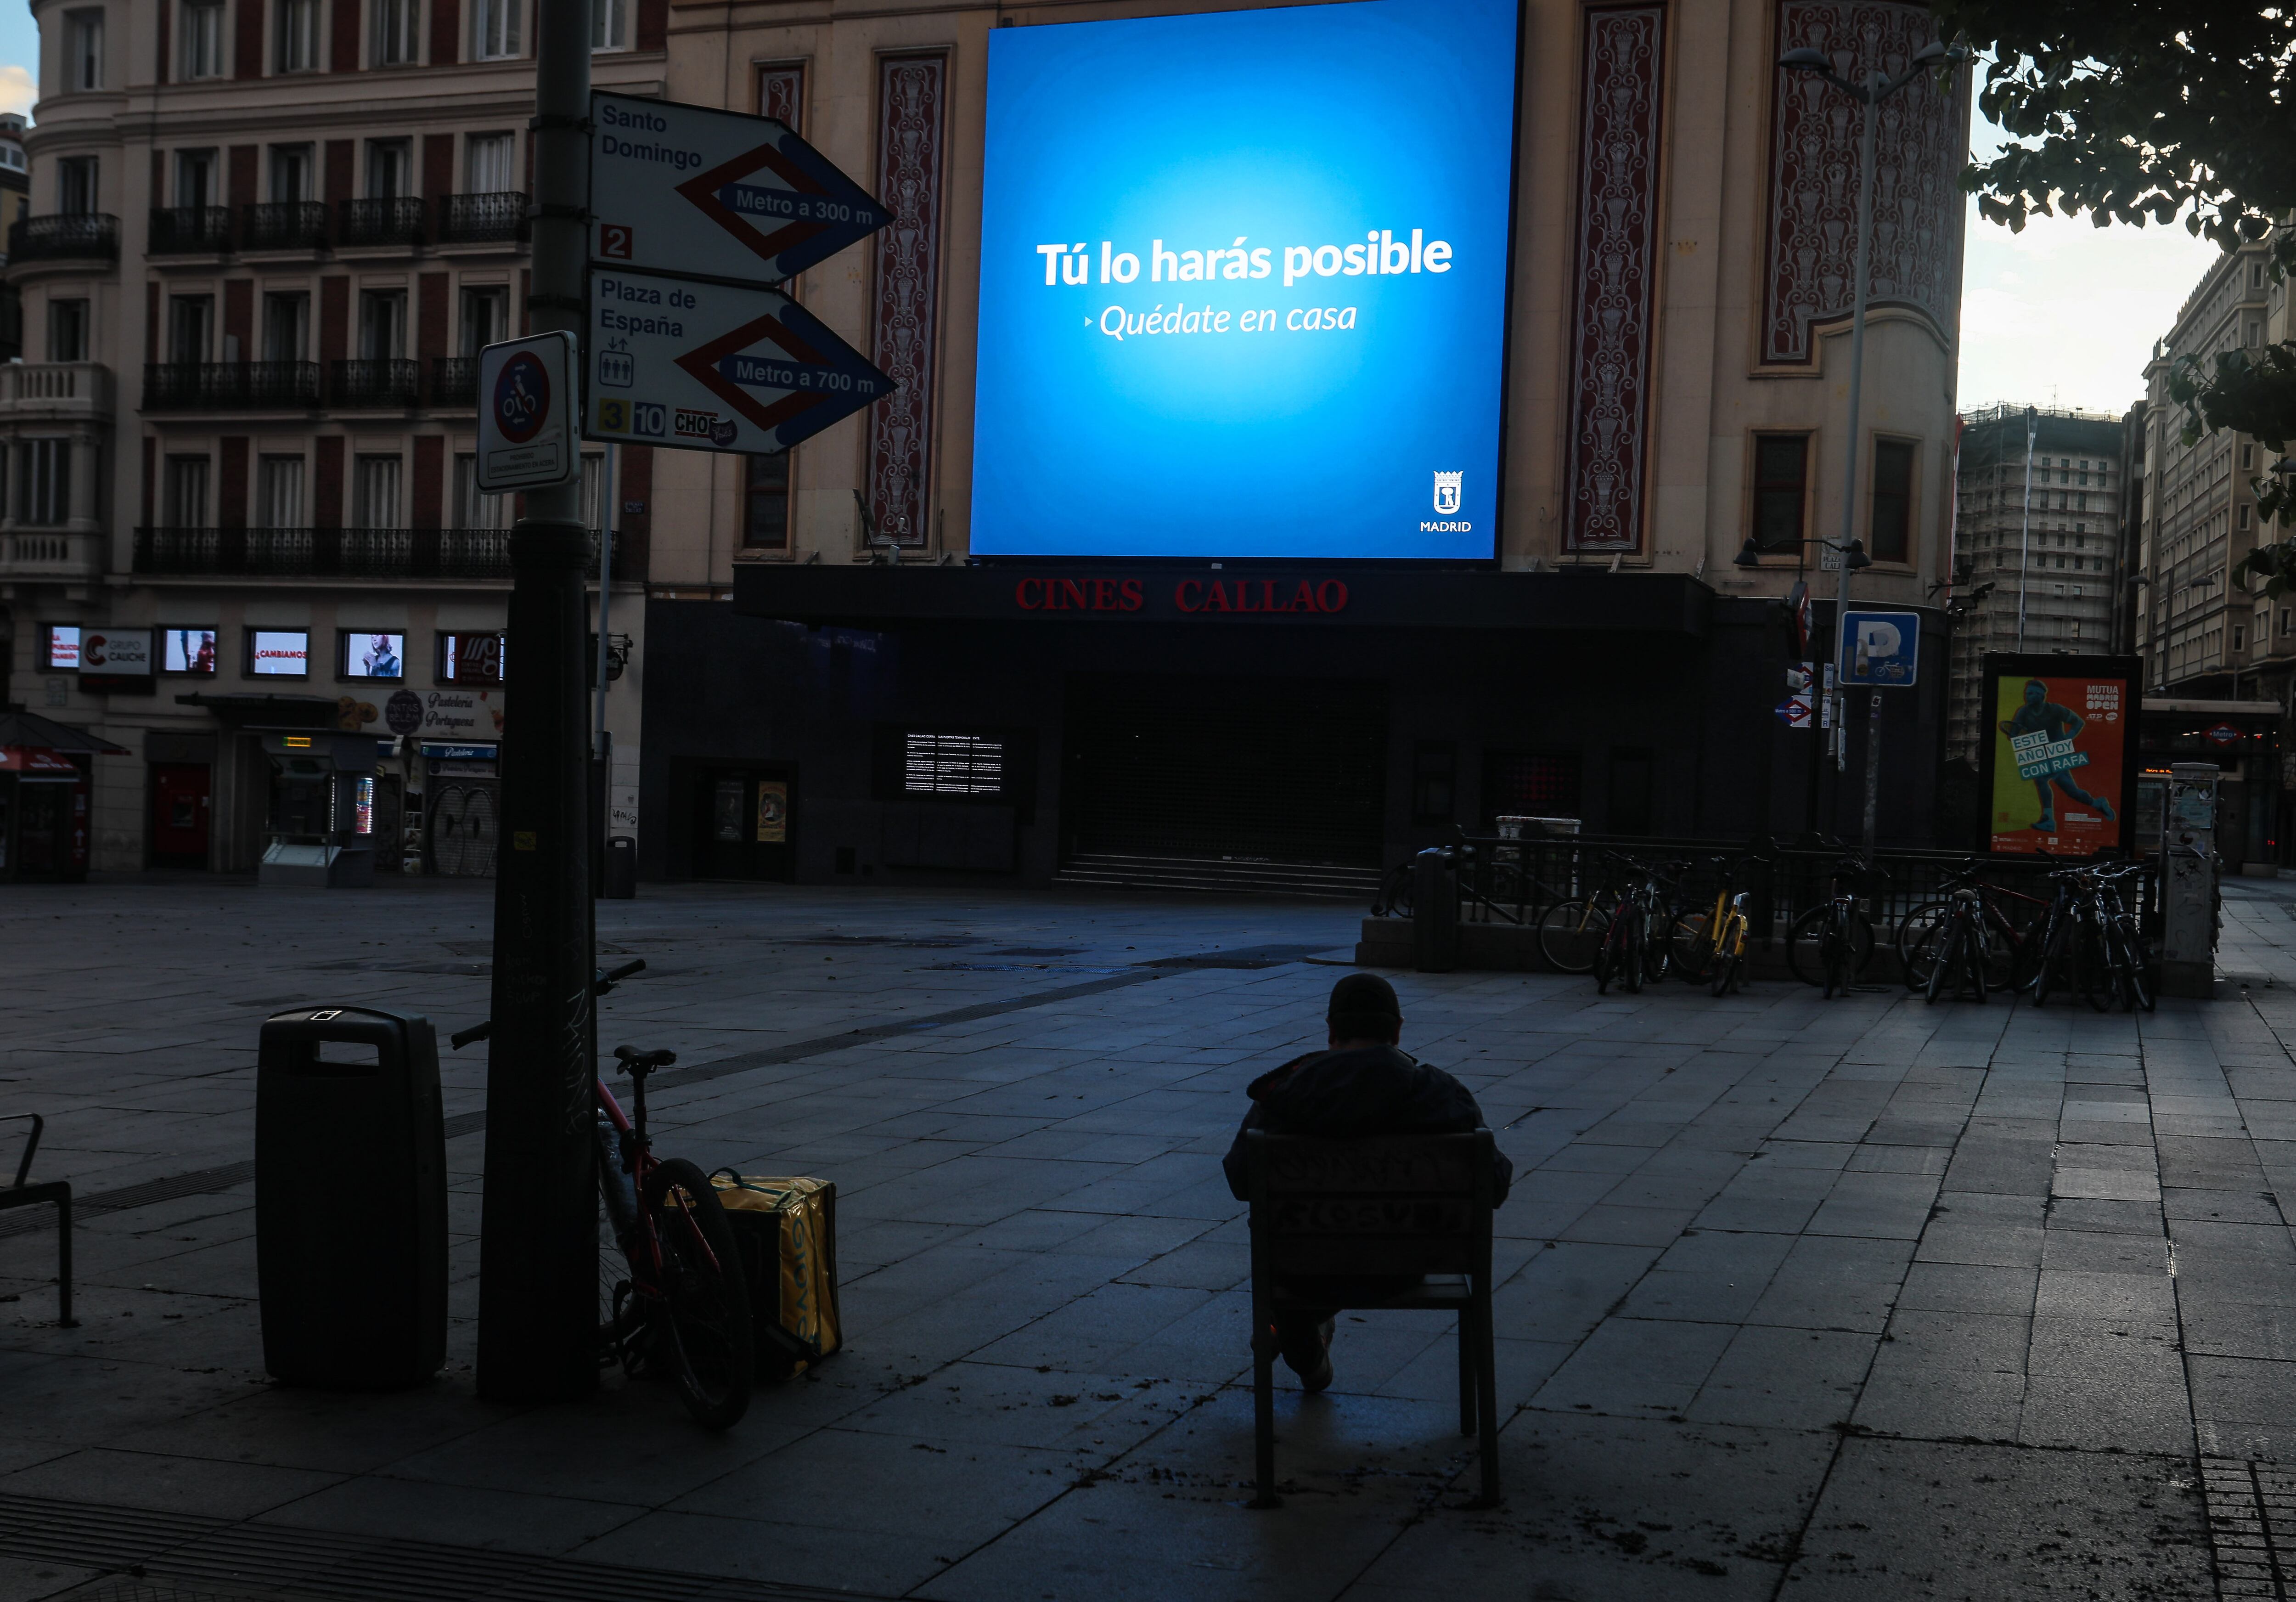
x=1392 y=1205
x=26 y=1193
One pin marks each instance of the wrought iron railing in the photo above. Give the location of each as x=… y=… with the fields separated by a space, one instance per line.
x=283 y=225
x=454 y=380
x=377 y=383
x=451 y=554
x=184 y=229
x=380 y=222
x=470 y=219
x=187 y=386
x=65 y=235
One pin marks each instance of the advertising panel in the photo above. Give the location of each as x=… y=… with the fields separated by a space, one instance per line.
x=1244 y=284
x=116 y=653
x=773 y=812
x=380 y=654
x=278 y=653
x=59 y=647
x=2059 y=763
x=188 y=650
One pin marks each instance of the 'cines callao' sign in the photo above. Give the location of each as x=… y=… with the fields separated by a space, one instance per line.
x=1191 y=598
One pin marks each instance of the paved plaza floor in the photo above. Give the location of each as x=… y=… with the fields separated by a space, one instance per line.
x=1851 y=1299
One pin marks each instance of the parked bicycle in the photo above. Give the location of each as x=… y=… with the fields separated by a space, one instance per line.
x=1709 y=947
x=1635 y=949
x=2010 y=945
x=1830 y=945
x=673 y=1297
x=2091 y=945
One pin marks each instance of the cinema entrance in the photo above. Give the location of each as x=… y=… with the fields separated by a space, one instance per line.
x=1179 y=777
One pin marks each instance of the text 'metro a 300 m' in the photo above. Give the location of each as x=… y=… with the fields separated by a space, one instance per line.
x=1223 y=311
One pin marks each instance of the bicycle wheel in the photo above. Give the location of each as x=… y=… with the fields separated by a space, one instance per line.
x=1571 y=936
x=1730 y=963
x=1632 y=952
x=2140 y=966
x=1915 y=931
x=1802 y=953
x=1694 y=955
x=702 y=1324
x=2096 y=966
x=1945 y=960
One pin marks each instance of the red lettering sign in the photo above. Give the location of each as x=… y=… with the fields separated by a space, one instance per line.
x=1239 y=597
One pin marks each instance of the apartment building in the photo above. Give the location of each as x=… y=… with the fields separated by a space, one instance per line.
x=2037 y=520
x=268 y=239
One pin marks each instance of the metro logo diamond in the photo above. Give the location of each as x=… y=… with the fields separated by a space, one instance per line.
x=1226 y=308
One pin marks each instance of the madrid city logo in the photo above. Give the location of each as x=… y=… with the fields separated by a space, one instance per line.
x=1447 y=492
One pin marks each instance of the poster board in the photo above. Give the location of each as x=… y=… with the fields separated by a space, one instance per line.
x=2057 y=754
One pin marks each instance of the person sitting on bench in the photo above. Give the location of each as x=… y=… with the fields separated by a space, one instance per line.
x=1362 y=1084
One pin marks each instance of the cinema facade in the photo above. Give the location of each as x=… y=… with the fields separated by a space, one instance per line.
x=1074 y=606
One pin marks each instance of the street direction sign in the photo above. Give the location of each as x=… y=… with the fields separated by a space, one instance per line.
x=1795 y=710
x=715 y=194
x=711 y=366
x=1880 y=650
x=527 y=402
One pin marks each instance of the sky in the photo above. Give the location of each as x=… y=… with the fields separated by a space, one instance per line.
x=2063 y=314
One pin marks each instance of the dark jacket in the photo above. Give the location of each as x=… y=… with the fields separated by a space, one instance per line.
x=1342 y=1094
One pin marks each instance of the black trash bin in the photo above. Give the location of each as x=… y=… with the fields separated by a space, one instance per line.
x=621 y=878
x=1435 y=910
x=351 y=1198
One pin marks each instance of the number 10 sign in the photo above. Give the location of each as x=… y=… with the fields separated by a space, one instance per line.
x=527 y=402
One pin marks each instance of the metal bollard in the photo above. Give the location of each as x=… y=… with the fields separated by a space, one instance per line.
x=2188 y=882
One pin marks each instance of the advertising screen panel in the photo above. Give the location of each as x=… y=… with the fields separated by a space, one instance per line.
x=2060 y=753
x=60 y=647
x=1244 y=284
x=188 y=650
x=278 y=653
x=369 y=654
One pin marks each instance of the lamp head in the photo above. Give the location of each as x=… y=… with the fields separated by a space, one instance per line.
x=1854 y=556
x=2284 y=468
x=1749 y=554
x=1805 y=61
x=1938 y=50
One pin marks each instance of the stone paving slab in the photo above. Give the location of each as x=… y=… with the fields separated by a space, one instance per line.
x=1796 y=1296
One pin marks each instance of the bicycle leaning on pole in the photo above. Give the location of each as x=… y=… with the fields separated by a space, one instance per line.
x=683 y=1309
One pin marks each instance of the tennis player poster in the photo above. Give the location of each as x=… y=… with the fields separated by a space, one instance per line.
x=2060 y=751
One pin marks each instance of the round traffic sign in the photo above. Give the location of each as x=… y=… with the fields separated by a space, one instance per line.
x=522 y=398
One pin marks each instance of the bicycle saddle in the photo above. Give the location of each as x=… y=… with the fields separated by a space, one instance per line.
x=633 y=1061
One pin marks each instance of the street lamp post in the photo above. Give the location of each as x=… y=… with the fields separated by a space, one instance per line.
x=1870 y=93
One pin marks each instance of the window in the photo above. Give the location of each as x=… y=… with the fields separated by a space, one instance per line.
x=382 y=325
x=1781 y=486
x=2239 y=638
x=2243 y=517
x=68 y=331
x=278 y=653
x=610 y=24
x=286 y=325
x=44 y=480
x=201 y=50
x=84 y=43
x=1434 y=783
x=375 y=493
x=291 y=173
x=185 y=504
x=486 y=318
x=1529 y=783
x=490 y=161
x=472 y=658
x=187 y=651
x=297 y=24
x=1892 y=526
x=76 y=185
x=474 y=507
x=593 y=486
x=2287 y=618
x=190 y=322
x=397 y=33
x=2247 y=457
x=195 y=178
x=279 y=493
x=495 y=29
x=764 y=501
x=380 y=653
x=59 y=647
x=390 y=169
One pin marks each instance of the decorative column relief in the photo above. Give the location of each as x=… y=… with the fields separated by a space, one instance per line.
x=1614 y=279
x=1809 y=276
x=913 y=93
x=780 y=94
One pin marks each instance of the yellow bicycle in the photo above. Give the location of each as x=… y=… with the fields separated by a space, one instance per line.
x=1710 y=946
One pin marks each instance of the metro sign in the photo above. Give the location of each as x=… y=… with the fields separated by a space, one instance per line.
x=2225 y=733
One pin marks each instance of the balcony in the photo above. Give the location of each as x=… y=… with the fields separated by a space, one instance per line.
x=377 y=383
x=201 y=386
x=400 y=553
x=475 y=219
x=54 y=391
x=454 y=381
x=52 y=554
x=283 y=225
x=190 y=230
x=65 y=236
x=395 y=222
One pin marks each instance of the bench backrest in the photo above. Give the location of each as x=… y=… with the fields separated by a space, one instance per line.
x=1387 y=1204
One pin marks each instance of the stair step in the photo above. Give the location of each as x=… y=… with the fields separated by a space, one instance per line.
x=1321 y=882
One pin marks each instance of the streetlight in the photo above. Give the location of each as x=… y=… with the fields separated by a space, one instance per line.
x=1876 y=87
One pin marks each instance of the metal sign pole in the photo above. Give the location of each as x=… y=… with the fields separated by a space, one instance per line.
x=538 y=1242
x=1873 y=764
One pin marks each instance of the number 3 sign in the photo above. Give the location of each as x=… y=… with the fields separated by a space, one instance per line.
x=526 y=419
